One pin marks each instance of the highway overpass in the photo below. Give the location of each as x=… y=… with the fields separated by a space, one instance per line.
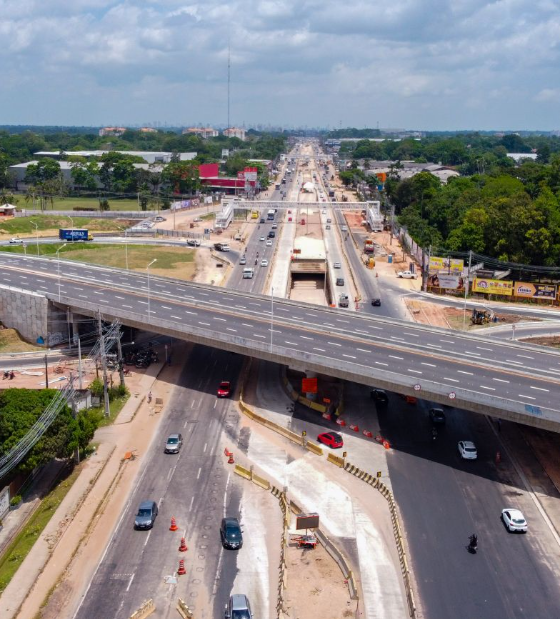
x=505 y=379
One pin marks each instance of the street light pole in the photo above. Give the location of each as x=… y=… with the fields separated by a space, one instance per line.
x=58 y=266
x=72 y=227
x=36 y=235
x=148 y=270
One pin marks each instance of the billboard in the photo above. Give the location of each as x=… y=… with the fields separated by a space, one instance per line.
x=441 y=280
x=535 y=291
x=493 y=287
x=307 y=521
x=451 y=265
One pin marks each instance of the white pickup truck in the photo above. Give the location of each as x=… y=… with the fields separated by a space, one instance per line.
x=407 y=274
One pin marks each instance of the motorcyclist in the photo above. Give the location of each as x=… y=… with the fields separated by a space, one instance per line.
x=434 y=432
x=473 y=541
x=256 y=261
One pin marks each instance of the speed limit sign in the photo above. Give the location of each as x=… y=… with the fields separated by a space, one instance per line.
x=452 y=395
x=417 y=387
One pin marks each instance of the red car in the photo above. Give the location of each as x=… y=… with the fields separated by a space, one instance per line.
x=332 y=440
x=224 y=390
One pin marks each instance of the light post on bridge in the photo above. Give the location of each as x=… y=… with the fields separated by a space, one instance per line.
x=148 y=271
x=36 y=235
x=58 y=266
x=72 y=227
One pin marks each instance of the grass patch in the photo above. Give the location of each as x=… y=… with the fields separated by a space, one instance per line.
x=115 y=407
x=51 y=224
x=69 y=203
x=10 y=342
x=17 y=552
x=208 y=216
x=176 y=262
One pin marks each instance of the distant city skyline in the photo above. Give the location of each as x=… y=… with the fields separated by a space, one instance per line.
x=429 y=65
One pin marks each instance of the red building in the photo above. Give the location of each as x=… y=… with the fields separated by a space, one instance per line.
x=209 y=176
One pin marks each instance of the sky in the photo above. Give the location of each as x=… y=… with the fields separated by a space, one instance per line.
x=415 y=64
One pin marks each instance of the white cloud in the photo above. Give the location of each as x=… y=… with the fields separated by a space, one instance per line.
x=417 y=63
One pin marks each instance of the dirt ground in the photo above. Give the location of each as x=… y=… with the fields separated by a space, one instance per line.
x=316 y=586
x=553 y=341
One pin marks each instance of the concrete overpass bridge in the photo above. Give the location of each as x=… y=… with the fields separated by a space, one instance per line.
x=510 y=380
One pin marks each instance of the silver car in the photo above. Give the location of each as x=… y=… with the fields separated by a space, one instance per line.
x=173 y=443
x=238 y=607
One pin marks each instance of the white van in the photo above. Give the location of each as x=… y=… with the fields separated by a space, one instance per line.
x=248 y=273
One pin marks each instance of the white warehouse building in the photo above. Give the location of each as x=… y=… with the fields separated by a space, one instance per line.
x=373 y=215
x=225 y=216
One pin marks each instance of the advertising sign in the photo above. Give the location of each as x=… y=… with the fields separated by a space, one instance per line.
x=309 y=385
x=250 y=174
x=535 y=291
x=493 y=287
x=451 y=265
x=307 y=521
x=442 y=280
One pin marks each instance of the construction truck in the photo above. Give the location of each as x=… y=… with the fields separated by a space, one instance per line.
x=368 y=246
x=481 y=317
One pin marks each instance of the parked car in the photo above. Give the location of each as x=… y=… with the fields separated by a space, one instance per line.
x=407 y=274
x=467 y=450
x=514 y=520
x=238 y=607
x=379 y=396
x=173 y=443
x=376 y=302
x=231 y=533
x=146 y=515
x=224 y=389
x=332 y=440
x=437 y=416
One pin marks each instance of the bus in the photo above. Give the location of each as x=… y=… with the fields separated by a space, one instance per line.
x=254 y=214
x=270 y=215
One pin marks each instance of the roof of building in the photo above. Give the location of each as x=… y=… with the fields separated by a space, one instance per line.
x=99 y=153
x=310 y=248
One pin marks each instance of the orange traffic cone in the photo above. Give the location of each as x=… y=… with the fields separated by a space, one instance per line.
x=173 y=527
x=226 y=452
x=183 y=546
x=181 y=570
x=230 y=460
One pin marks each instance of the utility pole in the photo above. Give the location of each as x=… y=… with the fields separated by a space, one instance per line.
x=104 y=363
x=120 y=360
x=80 y=364
x=466 y=286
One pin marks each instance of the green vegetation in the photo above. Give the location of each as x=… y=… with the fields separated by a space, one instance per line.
x=25 y=225
x=118 y=397
x=17 y=551
x=71 y=203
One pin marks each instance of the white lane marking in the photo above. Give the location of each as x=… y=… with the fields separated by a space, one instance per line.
x=242 y=307
x=485 y=387
x=335 y=344
x=125 y=306
x=189 y=312
x=310 y=314
x=103 y=300
x=198 y=474
x=342 y=321
x=353 y=357
x=258 y=336
x=328 y=324
x=147 y=538
x=306 y=337
x=381 y=364
x=473 y=353
x=529 y=397
x=395 y=338
x=130 y=582
x=363 y=350
x=166 y=308
x=294 y=344
x=500 y=380
x=175 y=317
x=449 y=341
x=191 y=504
x=252 y=303
x=464 y=372
x=84 y=297
x=116 y=296
x=427 y=364
x=317 y=349
x=98 y=293
x=435 y=346
x=526 y=357
x=450 y=379
x=396 y=357
x=230 y=329
x=215 y=403
x=538 y=388
x=143 y=302
x=514 y=362
x=411 y=334
x=484 y=348
x=201 y=323
x=216 y=318
x=205 y=446
x=185 y=424
x=205 y=294
x=75 y=288
x=170 y=473
x=419 y=372
x=247 y=324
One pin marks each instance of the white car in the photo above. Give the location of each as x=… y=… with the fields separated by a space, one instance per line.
x=274 y=226
x=197 y=219
x=261 y=239
x=467 y=450
x=514 y=520
x=324 y=211
x=337 y=265
x=16 y=240
x=344 y=228
x=264 y=263
x=407 y=274
x=269 y=242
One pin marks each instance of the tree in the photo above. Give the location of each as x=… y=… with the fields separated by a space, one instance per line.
x=182 y=176
x=46 y=169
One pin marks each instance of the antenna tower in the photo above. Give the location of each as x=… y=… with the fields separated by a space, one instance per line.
x=228 y=81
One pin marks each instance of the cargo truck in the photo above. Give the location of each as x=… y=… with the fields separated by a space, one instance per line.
x=74 y=234
x=221 y=247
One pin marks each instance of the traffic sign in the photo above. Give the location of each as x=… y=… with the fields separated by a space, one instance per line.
x=417 y=387
x=452 y=395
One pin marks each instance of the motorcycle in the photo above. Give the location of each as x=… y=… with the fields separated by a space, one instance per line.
x=473 y=544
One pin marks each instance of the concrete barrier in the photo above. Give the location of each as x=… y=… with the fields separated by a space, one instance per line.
x=341 y=560
x=261 y=482
x=184 y=609
x=243 y=472
x=145 y=610
x=312 y=447
x=335 y=460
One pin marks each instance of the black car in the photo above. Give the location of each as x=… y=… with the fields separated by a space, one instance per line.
x=437 y=416
x=376 y=302
x=230 y=531
x=379 y=396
